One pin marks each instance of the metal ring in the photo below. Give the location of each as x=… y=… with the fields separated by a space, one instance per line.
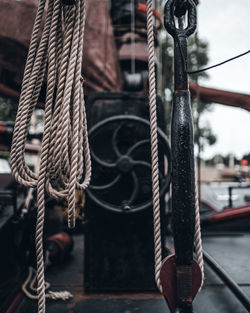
x=169 y=19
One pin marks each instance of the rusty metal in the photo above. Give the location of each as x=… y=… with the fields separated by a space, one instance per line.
x=182 y=144
x=171 y=285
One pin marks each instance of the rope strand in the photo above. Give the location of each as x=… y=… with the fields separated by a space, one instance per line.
x=154 y=145
x=57 y=59
x=197 y=232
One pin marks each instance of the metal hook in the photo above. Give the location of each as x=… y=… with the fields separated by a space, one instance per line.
x=169 y=18
x=181 y=267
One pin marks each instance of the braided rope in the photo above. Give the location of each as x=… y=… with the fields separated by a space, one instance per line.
x=57 y=59
x=197 y=233
x=30 y=283
x=154 y=144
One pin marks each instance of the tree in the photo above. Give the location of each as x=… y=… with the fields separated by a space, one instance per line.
x=197 y=58
x=8 y=109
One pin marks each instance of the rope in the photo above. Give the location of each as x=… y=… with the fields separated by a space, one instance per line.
x=154 y=145
x=197 y=232
x=57 y=59
x=30 y=283
x=218 y=64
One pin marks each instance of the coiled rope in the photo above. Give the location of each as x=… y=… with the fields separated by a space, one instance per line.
x=30 y=282
x=55 y=58
x=155 y=169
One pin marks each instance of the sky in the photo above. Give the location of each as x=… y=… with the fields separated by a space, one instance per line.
x=225 y=25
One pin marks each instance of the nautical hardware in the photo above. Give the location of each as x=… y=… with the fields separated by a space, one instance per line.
x=120 y=150
x=118 y=209
x=131 y=169
x=180 y=288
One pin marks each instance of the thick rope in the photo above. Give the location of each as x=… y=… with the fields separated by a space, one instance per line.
x=197 y=233
x=55 y=58
x=154 y=145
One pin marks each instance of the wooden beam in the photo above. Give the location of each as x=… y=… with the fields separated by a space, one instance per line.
x=234 y=99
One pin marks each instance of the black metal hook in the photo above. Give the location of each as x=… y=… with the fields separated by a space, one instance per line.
x=187 y=272
x=169 y=18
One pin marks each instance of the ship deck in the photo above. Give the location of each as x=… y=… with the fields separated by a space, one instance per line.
x=230 y=250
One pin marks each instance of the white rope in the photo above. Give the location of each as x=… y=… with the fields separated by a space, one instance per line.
x=154 y=145
x=197 y=233
x=30 y=282
x=57 y=59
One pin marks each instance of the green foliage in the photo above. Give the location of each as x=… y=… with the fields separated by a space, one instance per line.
x=8 y=109
x=197 y=58
x=204 y=136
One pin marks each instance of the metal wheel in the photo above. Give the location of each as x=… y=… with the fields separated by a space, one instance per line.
x=121 y=157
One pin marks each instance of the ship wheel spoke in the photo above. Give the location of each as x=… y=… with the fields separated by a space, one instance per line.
x=101 y=162
x=135 y=189
x=114 y=141
x=107 y=186
x=137 y=145
x=147 y=165
x=143 y=164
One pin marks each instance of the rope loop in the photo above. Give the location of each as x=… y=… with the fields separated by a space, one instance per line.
x=169 y=21
x=65 y=163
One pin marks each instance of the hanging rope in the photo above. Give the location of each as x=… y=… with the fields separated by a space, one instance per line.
x=197 y=231
x=197 y=234
x=57 y=60
x=154 y=144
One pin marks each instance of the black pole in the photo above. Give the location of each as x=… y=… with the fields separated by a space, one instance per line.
x=230 y=200
x=182 y=148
